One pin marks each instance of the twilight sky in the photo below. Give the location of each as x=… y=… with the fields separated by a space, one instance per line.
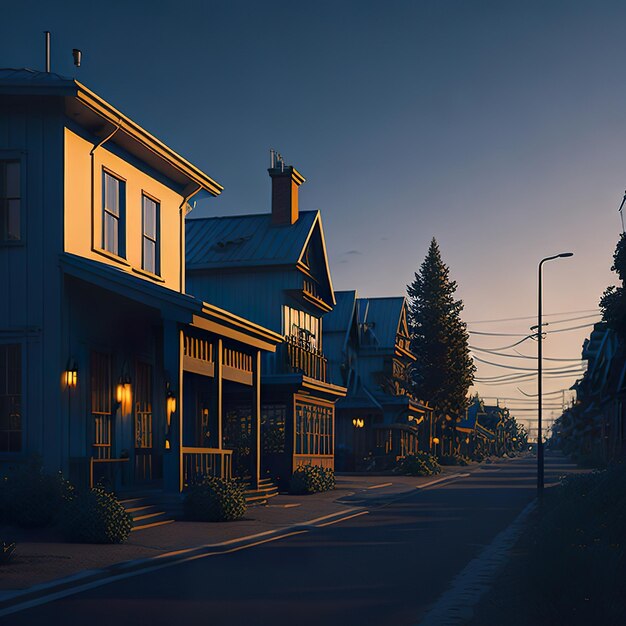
x=497 y=127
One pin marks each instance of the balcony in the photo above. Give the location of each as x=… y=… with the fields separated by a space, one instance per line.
x=300 y=356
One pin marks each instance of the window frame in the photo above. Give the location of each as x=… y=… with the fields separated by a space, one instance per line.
x=157 y=234
x=120 y=218
x=19 y=346
x=12 y=157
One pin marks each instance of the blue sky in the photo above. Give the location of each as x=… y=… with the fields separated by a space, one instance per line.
x=497 y=127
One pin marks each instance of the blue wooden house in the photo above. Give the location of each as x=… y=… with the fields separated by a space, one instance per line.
x=367 y=342
x=272 y=268
x=109 y=368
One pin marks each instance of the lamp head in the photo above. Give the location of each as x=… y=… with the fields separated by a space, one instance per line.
x=565 y=254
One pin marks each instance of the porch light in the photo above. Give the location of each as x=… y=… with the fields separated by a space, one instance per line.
x=70 y=375
x=358 y=423
x=123 y=386
x=170 y=398
x=435 y=440
x=466 y=439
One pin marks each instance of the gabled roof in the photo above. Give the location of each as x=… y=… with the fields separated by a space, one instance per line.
x=246 y=241
x=381 y=317
x=340 y=318
x=95 y=114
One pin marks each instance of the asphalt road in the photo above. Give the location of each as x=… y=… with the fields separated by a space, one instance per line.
x=386 y=567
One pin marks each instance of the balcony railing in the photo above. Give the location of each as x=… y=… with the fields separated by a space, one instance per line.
x=302 y=357
x=198 y=462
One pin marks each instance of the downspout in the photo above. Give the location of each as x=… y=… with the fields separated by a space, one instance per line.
x=182 y=214
x=93 y=179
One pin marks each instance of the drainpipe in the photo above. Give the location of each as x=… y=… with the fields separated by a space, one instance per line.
x=93 y=178
x=182 y=214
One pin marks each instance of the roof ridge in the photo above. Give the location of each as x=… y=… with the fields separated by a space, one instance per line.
x=244 y=215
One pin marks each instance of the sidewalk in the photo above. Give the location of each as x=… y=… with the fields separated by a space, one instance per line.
x=42 y=556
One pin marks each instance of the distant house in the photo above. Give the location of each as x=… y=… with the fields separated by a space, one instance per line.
x=272 y=268
x=109 y=369
x=595 y=426
x=368 y=346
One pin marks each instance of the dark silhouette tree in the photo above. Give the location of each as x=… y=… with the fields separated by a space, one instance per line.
x=613 y=301
x=444 y=370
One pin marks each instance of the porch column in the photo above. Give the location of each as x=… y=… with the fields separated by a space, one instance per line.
x=172 y=364
x=217 y=397
x=256 y=419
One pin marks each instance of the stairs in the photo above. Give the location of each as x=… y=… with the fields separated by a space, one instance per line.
x=267 y=489
x=146 y=512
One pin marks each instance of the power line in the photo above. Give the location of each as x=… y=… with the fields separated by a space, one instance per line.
x=546 y=393
x=532 y=317
x=549 y=332
x=519 y=355
x=513 y=367
x=517 y=343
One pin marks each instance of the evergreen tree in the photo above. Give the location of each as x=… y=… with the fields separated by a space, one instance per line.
x=444 y=370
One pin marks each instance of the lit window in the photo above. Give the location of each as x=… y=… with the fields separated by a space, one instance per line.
x=113 y=208
x=10 y=199
x=150 y=258
x=10 y=398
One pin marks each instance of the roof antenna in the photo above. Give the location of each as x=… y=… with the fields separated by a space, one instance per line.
x=47 y=38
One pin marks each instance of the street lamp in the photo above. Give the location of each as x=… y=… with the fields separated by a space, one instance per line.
x=540 y=467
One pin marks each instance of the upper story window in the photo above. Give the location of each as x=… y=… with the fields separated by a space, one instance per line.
x=10 y=200
x=10 y=398
x=113 y=215
x=304 y=327
x=150 y=260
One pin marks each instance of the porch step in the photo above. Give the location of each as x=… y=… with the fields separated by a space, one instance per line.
x=267 y=489
x=146 y=512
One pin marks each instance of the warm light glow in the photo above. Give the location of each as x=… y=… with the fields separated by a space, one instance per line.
x=119 y=393
x=171 y=404
x=71 y=378
x=467 y=440
x=435 y=439
x=358 y=423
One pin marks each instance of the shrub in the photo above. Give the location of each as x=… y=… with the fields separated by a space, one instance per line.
x=6 y=552
x=32 y=499
x=215 y=500
x=96 y=516
x=312 y=479
x=453 y=459
x=418 y=464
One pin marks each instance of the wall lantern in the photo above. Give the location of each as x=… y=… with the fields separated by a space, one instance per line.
x=170 y=399
x=514 y=439
x=466 y=439
x=122 y=388
x=358 y=423
x=435 y=440
x=70 y=375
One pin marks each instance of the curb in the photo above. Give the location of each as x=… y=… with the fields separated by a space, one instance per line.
x=13 y=601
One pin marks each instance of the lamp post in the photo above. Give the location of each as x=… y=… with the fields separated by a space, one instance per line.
x=540 y=467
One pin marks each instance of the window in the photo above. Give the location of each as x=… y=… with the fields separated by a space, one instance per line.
x=303 y=326
x=150 y=244
x=314 y=429
x=101 y=409
x=113 y=215
x=10 y=200
x=10 y=398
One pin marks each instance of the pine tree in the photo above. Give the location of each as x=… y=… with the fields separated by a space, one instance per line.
x=444 y=370
x=613 y=301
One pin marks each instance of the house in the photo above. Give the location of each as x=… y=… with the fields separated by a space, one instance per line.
x=367 y=341
x=109 y=369
x=272 y=268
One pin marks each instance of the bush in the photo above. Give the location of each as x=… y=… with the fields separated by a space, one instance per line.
x=312 y=479
x=6 y=552
x=418 y=464
x=215 y=500
x=453 y=459
x=96 y=516
x=32 y=499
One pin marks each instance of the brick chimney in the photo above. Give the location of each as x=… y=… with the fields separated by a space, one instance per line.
x=285 y=182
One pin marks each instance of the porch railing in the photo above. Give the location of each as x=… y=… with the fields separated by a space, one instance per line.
x=321 y=460
x=198 y=462
x=300 y=356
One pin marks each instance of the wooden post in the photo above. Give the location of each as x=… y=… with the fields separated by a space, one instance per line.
x=256 y=419
x=217 y=398
x=172 y=364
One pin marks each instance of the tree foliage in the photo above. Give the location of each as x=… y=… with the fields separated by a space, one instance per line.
x=613 y=301
x=444 y=370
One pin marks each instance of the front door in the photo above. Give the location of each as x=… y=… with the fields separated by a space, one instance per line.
x=145 y=462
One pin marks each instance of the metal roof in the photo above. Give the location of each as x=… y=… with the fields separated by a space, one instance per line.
x=382 y=317
x=246 y=240
x=14 y=76
x=340 y=318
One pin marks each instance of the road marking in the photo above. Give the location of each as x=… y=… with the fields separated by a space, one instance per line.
x=380 y=486
x=343 y=519
x=439 y=480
